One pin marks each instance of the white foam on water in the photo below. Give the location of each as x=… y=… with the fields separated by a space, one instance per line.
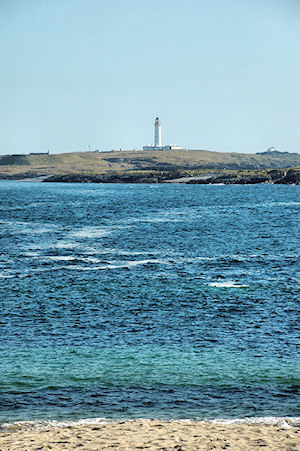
x=89 y=259
x=228 y=284
x=25 y=230
x=166 y=216
x=123 y=252
x=31 y=254
x=41 y=424
x=145 y=262
x=6 y=276
x=90 y=232
x=161 y=219
x=112 y=265
x=60 y=257
x=66 y=245
x=34 y=228
x=278 y=204
x=237 y=257
x=96 y=231
x=282 y=422
x=38 y=230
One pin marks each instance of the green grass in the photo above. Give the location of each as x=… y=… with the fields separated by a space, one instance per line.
x=189 y=161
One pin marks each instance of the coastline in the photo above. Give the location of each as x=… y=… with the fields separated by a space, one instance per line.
x=288 y=176
x=153 y=434
x=166 y=182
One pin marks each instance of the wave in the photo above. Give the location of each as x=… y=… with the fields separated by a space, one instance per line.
x=133 y=253
x=90 y=232
x=228 y=284
x=66 y=245
x=70 y=258
x=157 y=219
x=70 y=264
x=6 y=276
x=60 y=257
x=127 y=264
x=96 y=231
x=282 y=422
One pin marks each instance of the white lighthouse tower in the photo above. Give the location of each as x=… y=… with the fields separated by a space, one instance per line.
x=157 y=133
x=157 y=139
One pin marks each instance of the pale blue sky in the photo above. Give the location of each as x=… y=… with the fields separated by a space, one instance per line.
x=221 y=74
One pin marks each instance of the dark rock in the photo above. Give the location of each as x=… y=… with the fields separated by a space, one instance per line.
x=233 y=179
x=251 y=180
x=292 y=177
x=276 y=174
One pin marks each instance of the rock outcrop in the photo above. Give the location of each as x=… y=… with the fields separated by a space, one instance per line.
x=277 y=176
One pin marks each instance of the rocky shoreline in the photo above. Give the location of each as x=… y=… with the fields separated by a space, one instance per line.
x=276 y=176
x=289 y=176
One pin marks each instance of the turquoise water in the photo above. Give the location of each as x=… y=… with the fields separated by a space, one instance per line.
x=129 y=301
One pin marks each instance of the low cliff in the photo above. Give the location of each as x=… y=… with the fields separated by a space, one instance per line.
x=290 y=177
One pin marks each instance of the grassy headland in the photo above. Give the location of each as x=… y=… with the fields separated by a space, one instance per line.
x=147 y=166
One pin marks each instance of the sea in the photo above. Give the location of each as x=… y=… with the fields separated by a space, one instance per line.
x=169 y=301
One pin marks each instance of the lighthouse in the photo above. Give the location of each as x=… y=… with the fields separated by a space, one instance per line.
x=157 y=139
x=157 y=133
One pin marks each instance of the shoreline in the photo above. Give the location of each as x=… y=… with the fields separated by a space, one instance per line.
x=153 y=434
x=167 y=182
x=282 y=421
x=287 y=176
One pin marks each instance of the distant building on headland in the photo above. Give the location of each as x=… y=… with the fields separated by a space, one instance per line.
x=157 y=139
x=270 y=149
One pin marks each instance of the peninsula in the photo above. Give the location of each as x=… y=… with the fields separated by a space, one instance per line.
x=154 y=166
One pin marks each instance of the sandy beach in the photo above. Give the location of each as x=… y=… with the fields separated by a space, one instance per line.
x=150 y=435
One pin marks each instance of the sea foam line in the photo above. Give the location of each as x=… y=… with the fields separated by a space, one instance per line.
x=228 y=284
x=282 y=422
x=127 y=264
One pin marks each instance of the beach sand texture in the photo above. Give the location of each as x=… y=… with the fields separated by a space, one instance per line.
x=150 y=435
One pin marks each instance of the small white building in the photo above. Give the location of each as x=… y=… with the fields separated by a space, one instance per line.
x=171 y=147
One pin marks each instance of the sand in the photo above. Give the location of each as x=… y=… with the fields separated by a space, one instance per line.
x=150 y=435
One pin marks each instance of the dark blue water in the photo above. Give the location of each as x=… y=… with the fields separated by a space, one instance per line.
x=168 y=301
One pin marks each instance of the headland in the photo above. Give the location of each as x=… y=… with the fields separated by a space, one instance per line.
x=156 y=166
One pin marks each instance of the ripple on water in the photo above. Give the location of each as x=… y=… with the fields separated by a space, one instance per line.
x=173 y=302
